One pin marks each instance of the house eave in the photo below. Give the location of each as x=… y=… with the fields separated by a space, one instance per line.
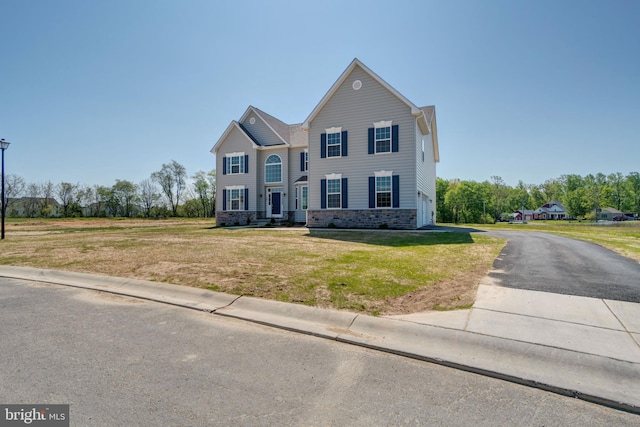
x=233 y=125
x=255 y=111
x=356 y=63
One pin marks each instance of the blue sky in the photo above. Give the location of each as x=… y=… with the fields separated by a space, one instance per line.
x=93 y=91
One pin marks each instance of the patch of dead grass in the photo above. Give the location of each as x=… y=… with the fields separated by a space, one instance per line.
x=363 y=271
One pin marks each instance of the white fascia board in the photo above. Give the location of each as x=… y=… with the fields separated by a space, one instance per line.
x=232 y=125
x=253 y=110
x=356 y=62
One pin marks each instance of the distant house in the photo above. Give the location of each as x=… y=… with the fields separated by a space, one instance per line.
x=553 y=210
x=528 y=215
x=365 y=158
x=610 y=214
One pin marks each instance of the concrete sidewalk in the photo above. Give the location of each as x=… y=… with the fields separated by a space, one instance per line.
x=582 y=347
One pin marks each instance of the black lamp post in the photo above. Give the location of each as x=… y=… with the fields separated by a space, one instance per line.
x=3 y=146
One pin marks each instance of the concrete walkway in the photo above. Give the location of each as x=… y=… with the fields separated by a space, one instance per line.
x=583 y=347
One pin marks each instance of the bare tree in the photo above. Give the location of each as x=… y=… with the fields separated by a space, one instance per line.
x=47 y=200
x=126 y=194
x=67 y=194
x=172 y=180
x=149 y=196
x=14 y=187
x=204 y=187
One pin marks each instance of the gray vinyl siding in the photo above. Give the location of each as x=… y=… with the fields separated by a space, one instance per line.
x=237 y=142
x=261 y=131
x=356 y=111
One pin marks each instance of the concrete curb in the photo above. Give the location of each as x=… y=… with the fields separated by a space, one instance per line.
x=597 y=379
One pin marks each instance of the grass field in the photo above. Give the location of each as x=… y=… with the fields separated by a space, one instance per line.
x=372 y=272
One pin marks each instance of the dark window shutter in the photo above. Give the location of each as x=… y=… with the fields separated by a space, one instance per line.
x=372 y=192
x=394 y=138
x=371 y=141
x=224 y=198
x=345 y=198
x=395 y=188
x=224 y=165
x=344 y=143
x=302 y=162
x=323 y=194
x=323 y=145
x=246 y=199
x=246 y=163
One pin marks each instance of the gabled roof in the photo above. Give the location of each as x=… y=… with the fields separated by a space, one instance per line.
x=613 y=210
x=234 y=125
x=426 y=124
x=278 y=127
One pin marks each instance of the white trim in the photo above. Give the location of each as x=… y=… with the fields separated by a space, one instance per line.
x=241 y=199
x=334 y=177
x=253 y=109
x=235 y=154
x=383 y=124
x=334 y=131
x=384 y=174
x=232 y=125
x=272 y=164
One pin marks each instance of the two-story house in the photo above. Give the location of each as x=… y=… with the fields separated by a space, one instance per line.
x=364 y=158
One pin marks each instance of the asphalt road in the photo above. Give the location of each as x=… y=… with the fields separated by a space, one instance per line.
x=549 y=263
x=120 y=361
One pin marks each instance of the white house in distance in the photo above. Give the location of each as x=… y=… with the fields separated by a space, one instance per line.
x=364 y=158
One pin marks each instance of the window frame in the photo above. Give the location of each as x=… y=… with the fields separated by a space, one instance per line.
x=335 y=145
x=239 y=198
x=241 y=166
x=386 y=175
x=333 y=179
x=388 y=139
x=267 y=166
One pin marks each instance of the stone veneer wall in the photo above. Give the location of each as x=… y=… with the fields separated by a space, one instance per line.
x=405 y=219
x=230 y=218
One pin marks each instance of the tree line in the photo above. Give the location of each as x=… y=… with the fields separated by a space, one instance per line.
x=166 y=193
x=484 y=202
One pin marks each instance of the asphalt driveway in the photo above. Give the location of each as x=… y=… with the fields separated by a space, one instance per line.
x=549 y=263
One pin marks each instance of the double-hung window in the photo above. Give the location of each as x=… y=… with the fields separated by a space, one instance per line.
x=333 y=143
x=235 y=163
x=234 y=198
x=383 y=191
x=383 y=139
x=333 y=193
x=334 y=147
